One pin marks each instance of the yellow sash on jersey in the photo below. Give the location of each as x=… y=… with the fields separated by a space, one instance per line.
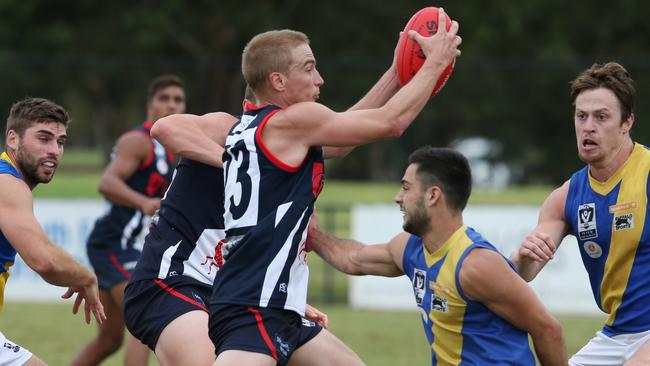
x=633 y=177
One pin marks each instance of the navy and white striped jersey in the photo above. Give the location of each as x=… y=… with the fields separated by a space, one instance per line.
x=186 y=234
x=268 y=205
x=120 y=227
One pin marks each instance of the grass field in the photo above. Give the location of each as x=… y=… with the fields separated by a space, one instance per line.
x=380 y=338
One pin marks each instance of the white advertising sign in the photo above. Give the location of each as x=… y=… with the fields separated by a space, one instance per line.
x=563 y=285
x=67 y=223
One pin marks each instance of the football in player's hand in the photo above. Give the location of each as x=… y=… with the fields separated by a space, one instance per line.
x=409 y=54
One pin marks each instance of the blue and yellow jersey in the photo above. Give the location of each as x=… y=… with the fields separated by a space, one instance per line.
x=609 y=221
x=7 y=252
x=461 y=331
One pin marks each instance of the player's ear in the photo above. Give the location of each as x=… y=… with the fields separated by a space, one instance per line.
x=12 y=140
x=626 y=126
x=277 y=81
x=433 y=196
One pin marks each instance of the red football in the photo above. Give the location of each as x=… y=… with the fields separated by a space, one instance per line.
x=409 y=54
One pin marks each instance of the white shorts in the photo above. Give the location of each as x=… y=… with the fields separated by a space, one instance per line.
x=609 y=351
x=12 y=354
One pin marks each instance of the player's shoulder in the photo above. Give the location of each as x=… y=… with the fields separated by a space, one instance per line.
x=219 y=117
x=134 y=142
x=480 y=261
x=301 y=113
x=560 y=193
x=14 y=191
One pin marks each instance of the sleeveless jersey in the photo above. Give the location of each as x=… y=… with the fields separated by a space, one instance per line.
x=121 y=226
x=609 y=221
x=7 y=251
x=460 y=331
x=268 y=205
x=186 y=234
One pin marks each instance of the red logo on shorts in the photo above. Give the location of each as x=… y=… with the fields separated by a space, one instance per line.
x=216 y=260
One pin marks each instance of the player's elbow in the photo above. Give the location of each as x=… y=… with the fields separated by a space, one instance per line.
x=106 y=187
x=163 y=129
x=43 y=265
x=549 y=329
x=396 y=127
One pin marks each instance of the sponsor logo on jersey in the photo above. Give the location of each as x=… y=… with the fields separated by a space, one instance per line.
x=308 y=323
x=439 y=303
x=317 y=179
x=216 y=260
x=623 y=222
x=419 y=279
x=243 y=123
x=593 y=249
x=283 y=288
x=587 y=221
x=622 y=207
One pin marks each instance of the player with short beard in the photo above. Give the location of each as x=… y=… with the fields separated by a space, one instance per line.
x=475 y=309
x=35 y=135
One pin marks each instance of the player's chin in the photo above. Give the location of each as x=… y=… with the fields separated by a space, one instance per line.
x=588 y=157
x=45 y=178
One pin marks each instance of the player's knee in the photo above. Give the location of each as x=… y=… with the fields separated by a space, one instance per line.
x=111 y=343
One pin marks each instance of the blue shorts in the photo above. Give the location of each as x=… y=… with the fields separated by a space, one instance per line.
x=274 y=332
x=112 y=267
x=150 y=305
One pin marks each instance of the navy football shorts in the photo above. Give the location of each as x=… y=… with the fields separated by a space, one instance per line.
x=150 y=305
x=112 y=267
x=274 y=332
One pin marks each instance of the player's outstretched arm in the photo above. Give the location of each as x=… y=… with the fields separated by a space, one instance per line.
x=312 y=124
x=540 y=245
x=377 y=96
x=130 y=151
x=355 y=258
x=54 y=265
x=199 y=138
x=487 y=278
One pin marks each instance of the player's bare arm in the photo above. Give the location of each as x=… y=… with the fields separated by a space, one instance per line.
x=131 y=150
x=54 y=265
x=355 y=258
x=487 y=278
x=199 y=138
x=377 y=96
x=312 y=124
x=541 y=244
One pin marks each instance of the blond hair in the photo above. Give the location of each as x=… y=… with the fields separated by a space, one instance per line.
x=269 y=52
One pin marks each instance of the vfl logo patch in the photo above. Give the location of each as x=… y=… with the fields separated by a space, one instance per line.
x=587 y=221
x=419 y=279
x=593 y=249
x=624 y=222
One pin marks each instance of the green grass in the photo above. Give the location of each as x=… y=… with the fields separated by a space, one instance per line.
x=380 y=338
x=77 y=183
